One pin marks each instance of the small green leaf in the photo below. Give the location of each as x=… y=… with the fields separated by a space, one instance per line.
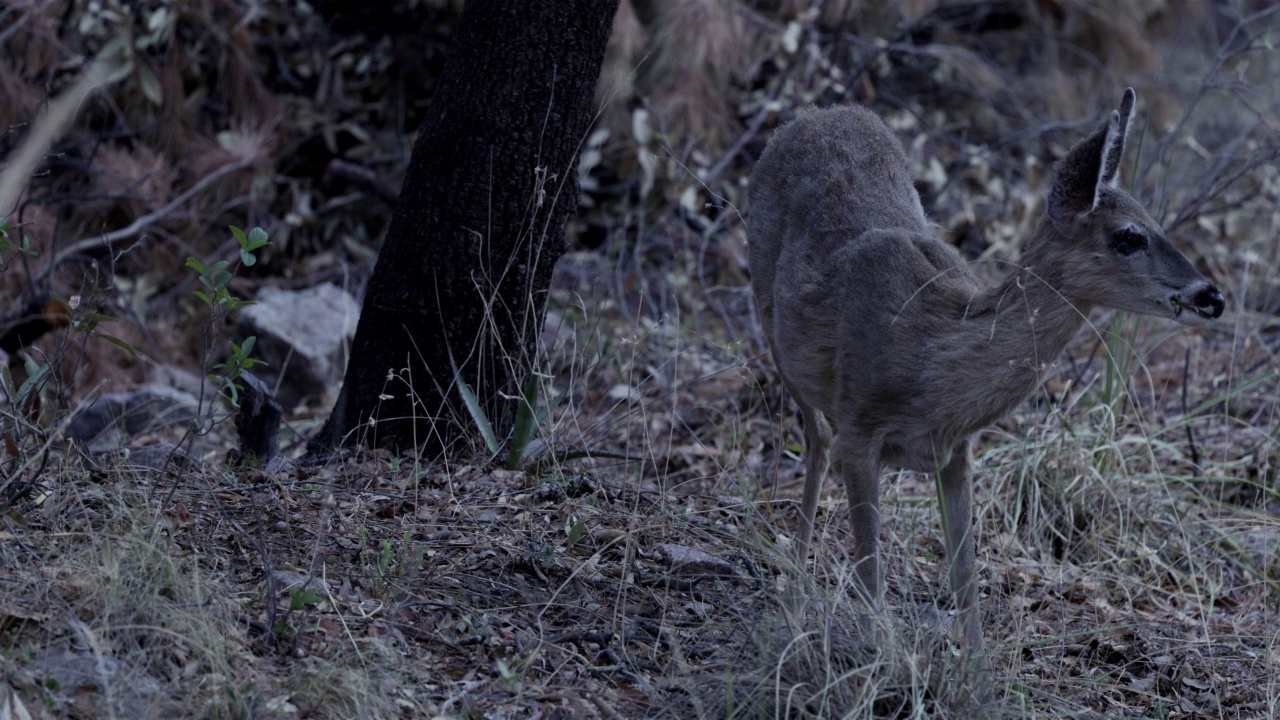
x=203 y=297
x=121 y=72
x=576 y=531
x=239 y=235
x=257 y=238
x=385 y=558
x=35 y=377
x=150 y=85
x=119 y=343
x=247 y=258
x=300 y=599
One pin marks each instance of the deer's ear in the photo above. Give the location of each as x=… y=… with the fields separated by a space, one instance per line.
x=1117 y=134
x=1094 y=163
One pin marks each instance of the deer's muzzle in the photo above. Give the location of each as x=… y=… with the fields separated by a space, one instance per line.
x=1206 y=302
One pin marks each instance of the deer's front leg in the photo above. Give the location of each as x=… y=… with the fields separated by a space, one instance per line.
x=955 y=490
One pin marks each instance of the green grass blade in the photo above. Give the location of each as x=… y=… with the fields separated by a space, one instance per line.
x=526 y=421
x=1200 y=409
x=477 y=412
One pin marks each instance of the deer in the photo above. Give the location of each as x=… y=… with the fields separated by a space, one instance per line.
x=880 y=328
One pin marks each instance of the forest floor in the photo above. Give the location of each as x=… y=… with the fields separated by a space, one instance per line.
x=1119 y=580
x=1128 y=515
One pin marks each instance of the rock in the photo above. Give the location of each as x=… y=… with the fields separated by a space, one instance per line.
x=181 y=379
x=159 y=457
x=104 y=422
x=100 y=684
x=155 y=460
x=302 y=334
x=683 y=560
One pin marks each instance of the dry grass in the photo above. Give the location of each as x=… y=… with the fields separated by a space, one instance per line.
x=1129 y=514
x=1114 y=586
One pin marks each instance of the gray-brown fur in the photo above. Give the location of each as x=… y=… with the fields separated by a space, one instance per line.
x=880 y=328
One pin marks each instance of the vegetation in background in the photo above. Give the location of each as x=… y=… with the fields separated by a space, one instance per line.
x=630 y=561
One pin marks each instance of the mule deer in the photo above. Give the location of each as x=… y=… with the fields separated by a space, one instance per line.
x=879 y=326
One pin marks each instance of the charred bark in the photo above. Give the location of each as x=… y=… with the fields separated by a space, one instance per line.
x=257 y=422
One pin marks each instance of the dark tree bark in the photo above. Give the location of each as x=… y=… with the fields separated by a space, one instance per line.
x=41 y=314
x=464 y=271
x=257 y=422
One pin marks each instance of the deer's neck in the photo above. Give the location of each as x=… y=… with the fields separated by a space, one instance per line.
x=1014 y=334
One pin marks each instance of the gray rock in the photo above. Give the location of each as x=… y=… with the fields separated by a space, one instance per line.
x=304 y=335
x=182 y=379
x=692 y=562
x=159 y=457
x=104 y=422
x=111 y=687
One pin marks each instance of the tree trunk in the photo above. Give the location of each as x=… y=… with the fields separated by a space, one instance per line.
x=463 y=274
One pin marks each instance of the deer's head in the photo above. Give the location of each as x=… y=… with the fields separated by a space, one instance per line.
x=1118 y=256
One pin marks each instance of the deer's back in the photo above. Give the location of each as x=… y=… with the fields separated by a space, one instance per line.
x=855 y=291
x=824 y=181
x=827 y=178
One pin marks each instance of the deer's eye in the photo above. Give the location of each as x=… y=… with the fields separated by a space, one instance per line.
x=1127 y=241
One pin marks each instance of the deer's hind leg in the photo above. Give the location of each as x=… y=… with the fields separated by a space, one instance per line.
x=817 y=443
x=860 y=471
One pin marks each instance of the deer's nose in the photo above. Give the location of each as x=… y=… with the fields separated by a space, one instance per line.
x=1209 y=302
